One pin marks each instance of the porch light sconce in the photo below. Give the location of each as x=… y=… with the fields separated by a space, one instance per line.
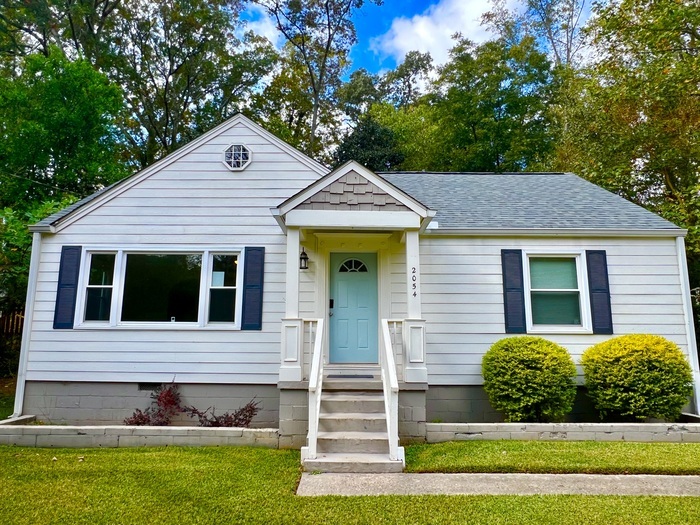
x=303 y=260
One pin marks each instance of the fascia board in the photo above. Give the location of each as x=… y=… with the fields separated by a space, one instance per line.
x=556 y=232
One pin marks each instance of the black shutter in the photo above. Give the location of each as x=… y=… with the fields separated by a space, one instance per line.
x=67 y=287
x=253 y=276
x=599 y=290
x=513 y=291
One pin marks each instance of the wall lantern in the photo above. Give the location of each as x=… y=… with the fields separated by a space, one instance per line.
x=303 y=260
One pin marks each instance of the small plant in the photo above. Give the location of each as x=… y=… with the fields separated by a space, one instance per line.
x=166 y=404
x=635 y=377
x=239 y=418
x=529 y=379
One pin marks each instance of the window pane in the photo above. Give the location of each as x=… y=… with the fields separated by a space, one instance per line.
x=224 y=270
x=553 y=272
x=222 y=305
x=161 y=288
x=101 y=269
x=556 y=308
x=97 y=304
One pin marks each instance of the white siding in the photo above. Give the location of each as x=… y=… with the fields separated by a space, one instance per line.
x=463 y=297
x=195 y=201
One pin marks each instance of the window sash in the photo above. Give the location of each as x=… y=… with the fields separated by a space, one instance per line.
x=116 y=300
x=560 y=307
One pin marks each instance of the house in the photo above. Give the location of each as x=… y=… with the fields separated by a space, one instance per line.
x=237 y=267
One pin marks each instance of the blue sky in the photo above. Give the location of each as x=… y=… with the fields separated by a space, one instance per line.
x=387 y=32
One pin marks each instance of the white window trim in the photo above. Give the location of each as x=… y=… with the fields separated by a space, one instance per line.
x=118 y=288
x=586 y=326
x=244 y=166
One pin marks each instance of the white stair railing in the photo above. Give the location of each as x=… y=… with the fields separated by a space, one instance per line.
x=390 y=386
x=315 y=387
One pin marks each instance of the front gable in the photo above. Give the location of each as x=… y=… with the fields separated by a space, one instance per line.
x=352 y=196
x=199 y=170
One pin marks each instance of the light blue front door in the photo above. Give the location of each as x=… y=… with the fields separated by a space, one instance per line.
x=354 y=325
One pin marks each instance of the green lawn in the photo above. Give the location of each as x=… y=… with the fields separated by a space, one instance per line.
x=7 y=399
x=555 y=457
x=243 y=485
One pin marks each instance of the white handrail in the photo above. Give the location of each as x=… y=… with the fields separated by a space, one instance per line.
x=315 y=387
x=390 y=385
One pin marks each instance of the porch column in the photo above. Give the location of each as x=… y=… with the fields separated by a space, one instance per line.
x=415 y=370
x=292 y=325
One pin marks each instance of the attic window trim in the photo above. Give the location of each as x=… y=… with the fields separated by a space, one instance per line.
x=237 y=157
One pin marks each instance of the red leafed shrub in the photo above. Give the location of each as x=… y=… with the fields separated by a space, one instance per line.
x=166 y=403
x=239 y=418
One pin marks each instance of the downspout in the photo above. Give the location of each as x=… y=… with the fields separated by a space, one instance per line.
x=689 y=324
x=27 y=326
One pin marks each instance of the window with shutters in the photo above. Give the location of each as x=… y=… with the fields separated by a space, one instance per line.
x=556 y=298
x=172 y=288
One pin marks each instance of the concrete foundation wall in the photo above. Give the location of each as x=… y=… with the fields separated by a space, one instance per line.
x=458 y=404
x=470 y=404
x=109 y=403
x=126 y=436
x=294 y=417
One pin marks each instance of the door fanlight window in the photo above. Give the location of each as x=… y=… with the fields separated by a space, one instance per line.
x=353 y=265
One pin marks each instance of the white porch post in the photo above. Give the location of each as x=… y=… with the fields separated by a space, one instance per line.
x=415 y=370
x=292 y=325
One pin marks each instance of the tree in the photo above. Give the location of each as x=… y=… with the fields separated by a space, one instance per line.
x=57 y=131
x=182 y=70
x=557 y=26
x=322 y=32
x=357 y=95
x=370 y=144
x=402 y=85
x=491 y=106
x=15 y=250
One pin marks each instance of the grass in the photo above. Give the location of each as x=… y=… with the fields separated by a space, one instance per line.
x=7 y=397
x=586 y=457
x=244 y=485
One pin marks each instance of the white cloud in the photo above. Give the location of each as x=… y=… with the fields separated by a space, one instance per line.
x=432 y=30
x=261 y=24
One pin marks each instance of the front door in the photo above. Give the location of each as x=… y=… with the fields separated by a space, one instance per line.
x=354 y=325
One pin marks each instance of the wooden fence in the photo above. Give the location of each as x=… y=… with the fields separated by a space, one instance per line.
x=11 y=323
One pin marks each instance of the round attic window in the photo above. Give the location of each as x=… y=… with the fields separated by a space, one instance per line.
x=237 y=157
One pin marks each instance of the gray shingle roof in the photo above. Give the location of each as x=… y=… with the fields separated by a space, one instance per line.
x=523 y=200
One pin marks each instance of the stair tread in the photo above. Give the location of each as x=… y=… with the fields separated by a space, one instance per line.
x=352 y=415
x=352 y=457
x=342 y=395
x=356 y=434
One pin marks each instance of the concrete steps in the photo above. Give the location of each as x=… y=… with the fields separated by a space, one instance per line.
x=352 y=433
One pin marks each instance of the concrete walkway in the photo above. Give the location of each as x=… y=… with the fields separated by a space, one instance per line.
x=496 y=484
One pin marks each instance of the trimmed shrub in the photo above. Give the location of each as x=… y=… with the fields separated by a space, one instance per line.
x=529 y=379
x=635 y=377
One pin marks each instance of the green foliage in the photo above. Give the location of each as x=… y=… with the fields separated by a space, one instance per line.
x=491 y=106
x=15 y=250
x=370 y=144
x=637 y=376
x=529 y=379
x=57 y=134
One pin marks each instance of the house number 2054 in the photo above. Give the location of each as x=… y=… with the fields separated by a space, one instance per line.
x=414 y=281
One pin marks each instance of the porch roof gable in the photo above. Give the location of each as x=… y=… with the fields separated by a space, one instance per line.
x=353 y=188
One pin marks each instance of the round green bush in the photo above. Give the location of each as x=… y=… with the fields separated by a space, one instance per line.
x=529 y=379
x=635 y=377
